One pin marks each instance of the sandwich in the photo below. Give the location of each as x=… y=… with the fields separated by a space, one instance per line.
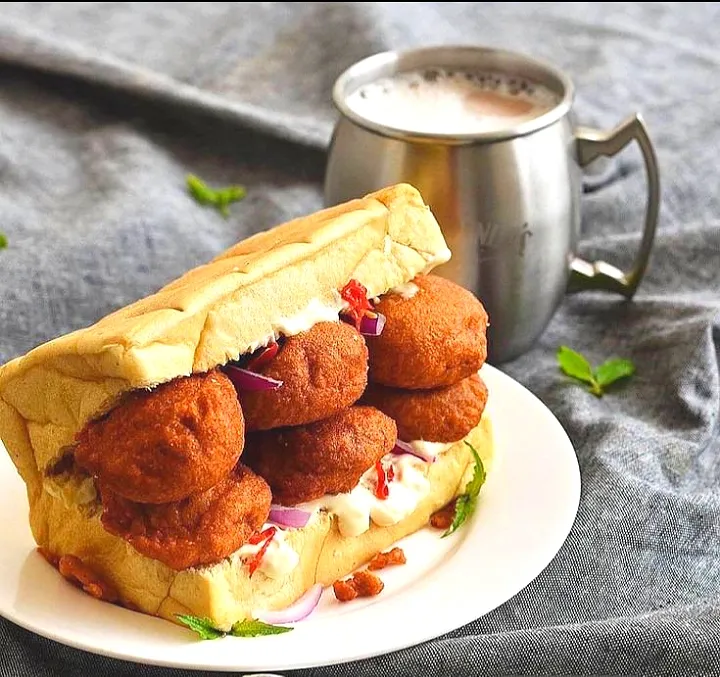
x=262 y=426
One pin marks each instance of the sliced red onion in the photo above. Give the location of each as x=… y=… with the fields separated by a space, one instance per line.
x=406 y=448
x=264 y=356
x=372 y=324
x=289 y=517
x=249 y=380
x=295 y=612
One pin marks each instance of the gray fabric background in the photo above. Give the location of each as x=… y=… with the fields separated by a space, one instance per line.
x=104 y=107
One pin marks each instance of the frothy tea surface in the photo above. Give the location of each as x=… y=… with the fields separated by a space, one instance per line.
x=437 y=101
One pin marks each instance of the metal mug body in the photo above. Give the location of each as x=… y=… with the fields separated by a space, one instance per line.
x=507 y=201
x=509 y=211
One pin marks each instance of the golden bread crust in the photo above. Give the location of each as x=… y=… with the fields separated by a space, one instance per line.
x=207 y=317
x=213 y=314
x=224 y=592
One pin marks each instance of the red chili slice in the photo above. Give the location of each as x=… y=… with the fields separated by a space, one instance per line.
x=391 y=473
x=260 y=536
x=265 y=356
x=381 y=488
x=355 y=295
x=258 y=558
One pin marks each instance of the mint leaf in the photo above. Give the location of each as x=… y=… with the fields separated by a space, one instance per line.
x=613 y=370
x=3 y=241
x=202 y=626
x=247 y=628
x=473 y=487
x=220 y=198
x=575 y=365
x=202 y=193
x=255 y=628
x=466 y=502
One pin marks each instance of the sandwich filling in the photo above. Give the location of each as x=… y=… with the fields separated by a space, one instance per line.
x=384 y=495
x=342 y=410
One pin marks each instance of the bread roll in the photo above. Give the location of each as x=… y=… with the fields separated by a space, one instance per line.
x=209 y=316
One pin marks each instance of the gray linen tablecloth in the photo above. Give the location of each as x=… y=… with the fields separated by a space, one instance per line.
x=104 y=108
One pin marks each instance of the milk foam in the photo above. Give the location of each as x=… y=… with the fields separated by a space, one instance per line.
x=437 y=101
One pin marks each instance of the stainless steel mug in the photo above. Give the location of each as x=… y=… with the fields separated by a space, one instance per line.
x=508 y=201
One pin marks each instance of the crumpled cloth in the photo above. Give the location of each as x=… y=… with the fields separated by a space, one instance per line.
x=105 y=107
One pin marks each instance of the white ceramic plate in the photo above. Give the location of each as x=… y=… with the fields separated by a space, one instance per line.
x=527 y=508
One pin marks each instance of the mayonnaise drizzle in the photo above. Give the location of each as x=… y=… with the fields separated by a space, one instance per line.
x=279 y=558
x=316 y=311
x=430 y=448
x=357 y=508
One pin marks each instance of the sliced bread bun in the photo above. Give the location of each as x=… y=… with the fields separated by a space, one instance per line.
x=224 y=592
x=209 y=316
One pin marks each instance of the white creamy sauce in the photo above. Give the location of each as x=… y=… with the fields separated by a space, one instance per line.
x=430 y=448
x=356 y=509
x=279 y=558
x=409 y=486
x=316 y=311
x=407 y=290
x=352 y=509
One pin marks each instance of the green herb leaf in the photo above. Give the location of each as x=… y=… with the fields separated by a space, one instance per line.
x=200 y=190
x=466 y=502
x=255 y=628
x=577 y=366
x=247 y=628
x=613 y=370
x=574 y=364
x=202 y=626
x=3 y=241
x=220 y=198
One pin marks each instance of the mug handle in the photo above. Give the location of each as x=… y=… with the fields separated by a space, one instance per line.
x=591 y=144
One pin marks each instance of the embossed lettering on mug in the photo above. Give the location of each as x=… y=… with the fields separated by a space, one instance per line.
x=494 y=240
x=439 y=100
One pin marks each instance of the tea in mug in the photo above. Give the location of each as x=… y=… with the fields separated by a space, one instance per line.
x=442 y=101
